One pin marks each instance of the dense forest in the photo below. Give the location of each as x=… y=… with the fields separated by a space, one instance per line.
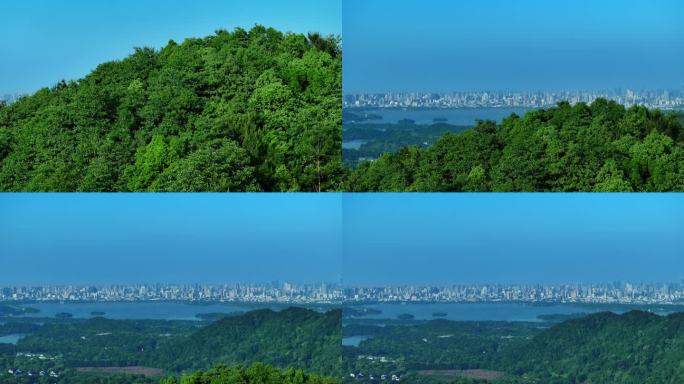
x=81 y=350
x=597 y=147
x=255 y=110
x=257 y=373
x=375 y=139
x=633 y=348
x=294 y=337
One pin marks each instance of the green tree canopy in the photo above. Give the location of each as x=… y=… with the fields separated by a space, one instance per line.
x=597 y=147
x=237 y=111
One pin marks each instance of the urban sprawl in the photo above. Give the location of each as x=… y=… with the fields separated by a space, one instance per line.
x=662 y=99
x=613 y=293
x=616 y=293
x=258 y=293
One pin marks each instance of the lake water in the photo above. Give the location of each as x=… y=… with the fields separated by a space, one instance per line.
x=353 y=341
x=353 y=144
x=10 y=339
x=497 y=311
x=153 y=310
x=454 y=116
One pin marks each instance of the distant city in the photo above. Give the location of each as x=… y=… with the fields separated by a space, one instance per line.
x=9 y=98
x=662 y=99
x=609 y=293
x=320 y=293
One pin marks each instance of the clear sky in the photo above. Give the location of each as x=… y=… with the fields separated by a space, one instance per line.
x=446 y=45
x=174 y=238
x=444 y=239
x=44 y=41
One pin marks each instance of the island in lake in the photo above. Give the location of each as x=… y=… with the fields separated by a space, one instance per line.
x=212 y=316
x=13 y=310
x=359 y=312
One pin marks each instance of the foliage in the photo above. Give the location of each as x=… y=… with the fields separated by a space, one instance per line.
x=597 y=147
x=291 y=338
x=237 y=111
x=402 y=348
x=256 y=373
x=294 y=337
x=102 y=342
x=11 y=310
x=636 y=347
x=376 y=139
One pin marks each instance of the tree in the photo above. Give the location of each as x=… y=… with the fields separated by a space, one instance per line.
x=152 y=119
x=597 y=147
x=611 y=179
x=220 y=166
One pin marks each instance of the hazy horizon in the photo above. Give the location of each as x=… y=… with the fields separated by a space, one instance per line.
x=356 y=239
x=172 y=283
x=121 y=238
x=450 y=239
x=441 y=45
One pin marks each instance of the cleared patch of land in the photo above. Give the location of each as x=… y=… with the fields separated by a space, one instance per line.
x=447 y=374
x=147 y=371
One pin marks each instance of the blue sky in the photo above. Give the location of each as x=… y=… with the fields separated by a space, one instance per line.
x=365 y=239
x=44 y=41
x=176 y=238
x=445 y=45
x=512 y=238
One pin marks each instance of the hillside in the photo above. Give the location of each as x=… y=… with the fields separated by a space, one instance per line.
x=80 y=349
x=636 y=347
x=294 y=337
x=633 y=348
x=257 y=373
x=597 y=147
x=256 y=110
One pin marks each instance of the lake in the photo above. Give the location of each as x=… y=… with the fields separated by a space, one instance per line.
x=10 y=339
x=353 y=341
x=353 y=144
x=498 y=311
x=454 y=116
x=152 y=310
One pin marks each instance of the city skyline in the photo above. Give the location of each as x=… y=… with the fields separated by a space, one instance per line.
x=404 y=46
x=272 y=292
x=618 y=292
x=66 y=40
x=671 y=99
x=606 y=293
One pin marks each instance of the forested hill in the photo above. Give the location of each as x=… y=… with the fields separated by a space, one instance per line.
x=237 y=111
x=634 y=348
x=82 y=349
x=257 y=373
x=597 y=147
x=294 y=337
